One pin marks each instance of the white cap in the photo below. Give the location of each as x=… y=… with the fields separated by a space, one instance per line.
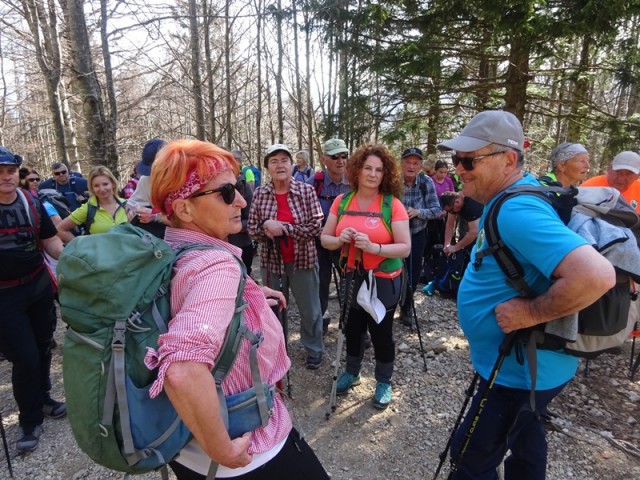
x=627 y=161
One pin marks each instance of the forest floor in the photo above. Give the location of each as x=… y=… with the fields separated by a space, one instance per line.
x=595 y=433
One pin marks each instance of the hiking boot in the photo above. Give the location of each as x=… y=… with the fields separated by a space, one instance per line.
x=429 y=288
x=407 y=319
x=345 y=382
x=29 y=440
x=313 y=363
x=54 y=409
x=382 y=397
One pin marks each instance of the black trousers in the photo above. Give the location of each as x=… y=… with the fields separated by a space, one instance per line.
x=26 y=329
x=296 y=461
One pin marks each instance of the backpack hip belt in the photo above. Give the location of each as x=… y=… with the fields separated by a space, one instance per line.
x=22 y=280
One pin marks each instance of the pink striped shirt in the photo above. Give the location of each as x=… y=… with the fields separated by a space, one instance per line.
x=203 y=299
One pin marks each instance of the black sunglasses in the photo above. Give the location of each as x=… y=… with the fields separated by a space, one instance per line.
x=344 y=156
x=228 y=192
x=468 y=162
x=63 y=172
x=33 y=179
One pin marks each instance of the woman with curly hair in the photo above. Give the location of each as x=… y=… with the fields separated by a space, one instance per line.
x=371 y=226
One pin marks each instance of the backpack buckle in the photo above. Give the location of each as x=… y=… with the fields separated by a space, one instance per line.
x=118 y=336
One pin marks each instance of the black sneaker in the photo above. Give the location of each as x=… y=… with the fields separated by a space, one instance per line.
x=313 y=363
x=54 y=409
x=29 y=440
x=407 y=319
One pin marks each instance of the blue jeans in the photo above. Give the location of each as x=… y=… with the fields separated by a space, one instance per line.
x=505 y=424
x=304 y=286
x=27 y=323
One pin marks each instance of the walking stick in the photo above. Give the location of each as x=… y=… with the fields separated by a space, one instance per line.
x=348 y=297
x=468 y=394
x=336 y=275
x=6 y=446
x=282 y=318
x=503 y=352
x=412 y=306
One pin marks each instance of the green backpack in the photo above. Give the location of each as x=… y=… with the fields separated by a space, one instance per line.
x=386 y=200
x=114 y=296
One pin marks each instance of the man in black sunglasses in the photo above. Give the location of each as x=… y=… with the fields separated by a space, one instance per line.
x=74 y=188
x=328 y=184
x=566 y=274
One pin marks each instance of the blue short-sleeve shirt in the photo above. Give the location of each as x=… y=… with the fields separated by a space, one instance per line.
x=540 y=241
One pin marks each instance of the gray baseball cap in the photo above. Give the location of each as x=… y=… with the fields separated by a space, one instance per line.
x=627 y=161
x=335 y=146
x=493 y=126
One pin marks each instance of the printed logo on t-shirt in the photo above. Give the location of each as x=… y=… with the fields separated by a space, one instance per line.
x=372 y=223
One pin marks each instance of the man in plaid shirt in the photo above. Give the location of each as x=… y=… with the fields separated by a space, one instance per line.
x=421 y=201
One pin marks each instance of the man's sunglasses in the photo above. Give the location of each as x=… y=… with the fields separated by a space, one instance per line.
x=343 y=156
x=63 y=172
x=228 y=192
x=33 y=179
x=468 y=162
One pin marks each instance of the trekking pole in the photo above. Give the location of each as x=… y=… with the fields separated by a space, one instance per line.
x=503 y=352
x=336 y=275
x=6 y=446
x=412 y=306
x=282 y=318
x=348 y=295
x=468 y=394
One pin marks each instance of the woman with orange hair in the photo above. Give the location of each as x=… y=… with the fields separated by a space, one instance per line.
x=194 y=184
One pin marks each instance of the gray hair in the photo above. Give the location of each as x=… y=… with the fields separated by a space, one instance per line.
x=304 y=154
x=565 y=151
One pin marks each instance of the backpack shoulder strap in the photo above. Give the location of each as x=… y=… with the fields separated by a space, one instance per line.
x=505 y=258
x=91 y=216
x=318 y=182
x=386 y=205
x=30 y=205
x=344 y=203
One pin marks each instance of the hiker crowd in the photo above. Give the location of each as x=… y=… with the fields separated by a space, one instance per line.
x=374 y=227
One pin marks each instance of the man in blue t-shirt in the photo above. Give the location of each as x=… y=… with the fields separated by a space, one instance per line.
x=74 y=188
x=489 y=156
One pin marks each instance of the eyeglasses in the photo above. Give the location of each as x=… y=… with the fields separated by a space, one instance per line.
x=33 y=179
x=337 y=156
x=63 y=172
x=228 y=192
x=468 y=162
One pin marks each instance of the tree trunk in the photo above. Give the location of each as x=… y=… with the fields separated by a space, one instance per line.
x=259 y=80
x=43 y=25
x=227 y=69
x=296 y=57
x=581 y=87
x=86 y=85
x=111 y=145
x=208 y=18
x=517 y=77
x=279 y=73
x=310 y=116
x=195 y=70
